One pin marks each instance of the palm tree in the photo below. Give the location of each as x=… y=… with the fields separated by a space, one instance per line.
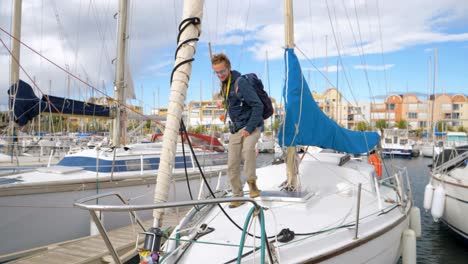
x=402 y=124
x=362 y=126
x=381 y=124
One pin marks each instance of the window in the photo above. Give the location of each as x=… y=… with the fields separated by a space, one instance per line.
x=412 y=106
x=422 y=124
x=456 y=116
x=447 y=116
x=422 y=116
x=456 y=107
x=422 y=106
x=388 y=141
x=391 y=107
x=446 y=106
x=412 y=115
x=403 y=141
x=135 y=165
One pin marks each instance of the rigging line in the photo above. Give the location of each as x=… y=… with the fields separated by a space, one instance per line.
x=62 y=34
x=362 y=49
x=346 y=99
x=315 y=67
x=339 y=53
x=381 y=47
x=74 y=76
x=243 y=36
x=29 y=77
x=102 y=34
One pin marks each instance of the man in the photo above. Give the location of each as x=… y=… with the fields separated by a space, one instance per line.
x=245 y=109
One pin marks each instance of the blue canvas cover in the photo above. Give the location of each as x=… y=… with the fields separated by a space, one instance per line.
x=305 y=123
x=27 y=105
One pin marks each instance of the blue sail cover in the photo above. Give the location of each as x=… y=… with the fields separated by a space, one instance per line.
x=305 y=123
x=27 y=105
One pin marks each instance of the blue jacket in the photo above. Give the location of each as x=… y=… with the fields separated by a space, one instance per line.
x=245 y=108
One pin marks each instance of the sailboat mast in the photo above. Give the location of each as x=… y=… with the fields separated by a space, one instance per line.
x=14 y=74
x=288 y=24
x=119 y=126
x=289 y=43
x=179 y=86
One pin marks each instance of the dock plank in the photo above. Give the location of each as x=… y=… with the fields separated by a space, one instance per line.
x=92 y=249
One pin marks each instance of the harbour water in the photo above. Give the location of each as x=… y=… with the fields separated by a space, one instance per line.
x=437 y=244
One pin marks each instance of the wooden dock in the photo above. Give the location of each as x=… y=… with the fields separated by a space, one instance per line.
x=92 y=249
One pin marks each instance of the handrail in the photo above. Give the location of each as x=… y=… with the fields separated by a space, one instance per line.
x=81 y=203
x=121 y=208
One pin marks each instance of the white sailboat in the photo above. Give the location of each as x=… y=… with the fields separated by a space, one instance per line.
x=446 y=194
x=336 y=210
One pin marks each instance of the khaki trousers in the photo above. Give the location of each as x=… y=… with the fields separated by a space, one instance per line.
x=242 y=148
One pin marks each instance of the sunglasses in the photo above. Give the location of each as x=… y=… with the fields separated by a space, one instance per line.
x=221 y=72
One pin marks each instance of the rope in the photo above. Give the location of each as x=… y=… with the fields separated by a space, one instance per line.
x=71 y=74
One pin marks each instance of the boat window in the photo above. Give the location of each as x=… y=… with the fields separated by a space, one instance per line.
x=403 y=141
x=388 y=141
x=135 y=165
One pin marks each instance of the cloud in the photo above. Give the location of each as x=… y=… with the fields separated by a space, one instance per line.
x=374 y=67
x=81 y=35
x=332 y=68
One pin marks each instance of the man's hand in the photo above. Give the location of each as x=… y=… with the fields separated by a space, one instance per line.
x=245 y=133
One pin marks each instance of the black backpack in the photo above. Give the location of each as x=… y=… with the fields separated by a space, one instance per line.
x=262 y=94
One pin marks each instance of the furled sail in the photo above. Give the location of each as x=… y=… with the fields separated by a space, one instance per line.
x=306 y=124
x=26 y=105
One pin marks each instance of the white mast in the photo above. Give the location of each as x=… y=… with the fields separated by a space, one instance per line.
x=119 y=126
x=291 y=163
x=179 y=85
x=15 y=58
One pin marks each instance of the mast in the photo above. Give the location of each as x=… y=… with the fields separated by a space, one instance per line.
x=179 y=85
x=119 y=126
x=291 y=161
x=14 y=74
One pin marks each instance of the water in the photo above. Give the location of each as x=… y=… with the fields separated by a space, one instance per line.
x=437 y=244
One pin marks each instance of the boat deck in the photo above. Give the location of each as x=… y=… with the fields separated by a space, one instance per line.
x=92 y=249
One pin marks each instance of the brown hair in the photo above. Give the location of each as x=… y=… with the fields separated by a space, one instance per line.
x=220 y=58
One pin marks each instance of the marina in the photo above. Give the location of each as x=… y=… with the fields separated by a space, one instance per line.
x=243 y=177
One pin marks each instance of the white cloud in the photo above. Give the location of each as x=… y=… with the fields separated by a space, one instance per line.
x=332 y=68
x=374 y=67
x=83 y=36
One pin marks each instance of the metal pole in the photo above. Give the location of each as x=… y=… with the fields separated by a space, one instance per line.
x=358 y=205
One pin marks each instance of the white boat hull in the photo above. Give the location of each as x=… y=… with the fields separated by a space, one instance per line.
x=328 y=212
x=456 y=202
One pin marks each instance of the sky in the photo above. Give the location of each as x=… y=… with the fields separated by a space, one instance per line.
x=366 y=49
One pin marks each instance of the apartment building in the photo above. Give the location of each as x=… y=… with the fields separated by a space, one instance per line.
x=451 y=109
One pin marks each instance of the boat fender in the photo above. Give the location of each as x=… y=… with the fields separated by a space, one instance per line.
x=415 y=220
x=285 y=235
x=428 y=194
x=438 y=203
x=409 y=247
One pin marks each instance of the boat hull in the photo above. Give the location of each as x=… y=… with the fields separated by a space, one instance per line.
x=456 y=206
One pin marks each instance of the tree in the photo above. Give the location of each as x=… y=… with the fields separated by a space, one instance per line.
x=381 y=124
x=362 y=126
x=461 y=129
x=402 y=124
